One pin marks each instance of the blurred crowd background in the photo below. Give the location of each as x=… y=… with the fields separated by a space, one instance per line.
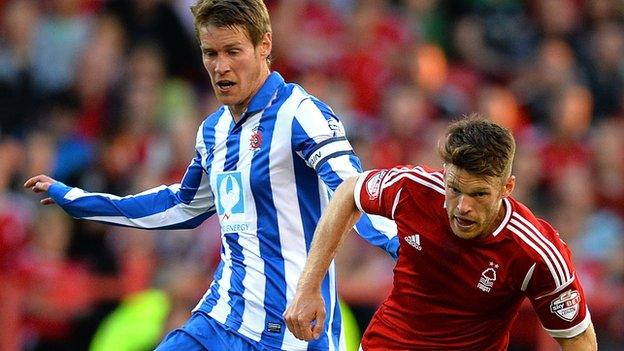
x=107 y=95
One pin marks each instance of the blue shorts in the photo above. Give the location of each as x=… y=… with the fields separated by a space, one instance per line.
x=201 y=333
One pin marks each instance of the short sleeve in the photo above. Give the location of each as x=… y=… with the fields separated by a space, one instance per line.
x=556 y=293
x=373 y=196
x=318 y=135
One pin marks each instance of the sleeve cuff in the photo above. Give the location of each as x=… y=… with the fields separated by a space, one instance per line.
x=358 y=189
x=57 y=192
x=571 y=332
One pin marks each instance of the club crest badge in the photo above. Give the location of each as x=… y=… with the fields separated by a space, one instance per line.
x=255 y=141
x=566 y=306
x=488 y=277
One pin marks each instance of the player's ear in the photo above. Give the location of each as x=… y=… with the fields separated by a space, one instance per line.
x=266 y=45
x=509 y=185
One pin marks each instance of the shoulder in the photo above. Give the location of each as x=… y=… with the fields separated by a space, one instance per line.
x=213 y=118
x=531 y=231
x=419 y=176
x=306 y=105
x=540 y=243
x=403 y=178
x=208 y=127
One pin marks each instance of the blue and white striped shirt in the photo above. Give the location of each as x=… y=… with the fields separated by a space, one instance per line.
x=268 y=178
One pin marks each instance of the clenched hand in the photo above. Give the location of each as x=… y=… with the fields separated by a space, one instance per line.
x=305 y=316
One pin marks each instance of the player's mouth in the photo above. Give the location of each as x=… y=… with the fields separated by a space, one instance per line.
x=225 y=86
x=463 y=223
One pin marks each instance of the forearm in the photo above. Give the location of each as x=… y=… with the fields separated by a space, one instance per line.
x=158 y=208
x=586 y=341
x=339 y=217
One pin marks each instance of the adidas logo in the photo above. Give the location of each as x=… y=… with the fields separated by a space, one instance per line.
x=414 y=240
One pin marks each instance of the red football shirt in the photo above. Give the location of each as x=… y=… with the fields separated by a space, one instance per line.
x=456 y=294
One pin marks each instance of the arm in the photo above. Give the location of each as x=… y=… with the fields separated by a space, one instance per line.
x=305 y=316
x=321 y=140
x=586 y=341
x=179 y=206
x=557 y=295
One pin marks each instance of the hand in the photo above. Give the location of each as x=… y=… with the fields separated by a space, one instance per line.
x=305 y=316
x=40 y=184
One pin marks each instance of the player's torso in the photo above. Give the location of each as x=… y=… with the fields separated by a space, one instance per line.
x=250 y=167
x=444 y=286
x=256 y=177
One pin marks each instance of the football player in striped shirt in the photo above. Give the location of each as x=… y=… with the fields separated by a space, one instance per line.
x=266 y=164
x=469 y=253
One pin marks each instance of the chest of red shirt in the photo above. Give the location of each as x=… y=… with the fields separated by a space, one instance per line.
x=470 y=276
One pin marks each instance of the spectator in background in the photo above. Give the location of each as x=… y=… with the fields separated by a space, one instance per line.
x=569 y=119
x=98 y=71
x=18 y=95
x=59 y=39
x=606 y=145
x=406 y=113
x=266 y=162
x=156 y=21
x=553 y=68
x=606 y=73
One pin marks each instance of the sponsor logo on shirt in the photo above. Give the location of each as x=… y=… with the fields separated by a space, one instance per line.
x=414 y=240
x=373 y=185
x=230 y=202
x=566 y=306
x=488 y=277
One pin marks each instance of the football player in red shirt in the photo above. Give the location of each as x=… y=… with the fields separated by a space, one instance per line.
x=469 y=253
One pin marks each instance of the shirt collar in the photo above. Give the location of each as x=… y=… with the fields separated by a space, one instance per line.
x=266 y=92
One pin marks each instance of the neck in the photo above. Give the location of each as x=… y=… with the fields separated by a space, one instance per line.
x=237 y=112
x=239 y=109
x=499 y=218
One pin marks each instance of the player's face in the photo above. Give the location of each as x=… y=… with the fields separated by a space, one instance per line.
x=237 y=69
x=474 y=203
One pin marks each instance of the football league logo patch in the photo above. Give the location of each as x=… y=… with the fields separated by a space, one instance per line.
x=373 y=185
x=336 y=127
x=567 y=305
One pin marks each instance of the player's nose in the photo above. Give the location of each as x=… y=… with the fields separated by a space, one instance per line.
x=222 y=65
x=464 y=204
